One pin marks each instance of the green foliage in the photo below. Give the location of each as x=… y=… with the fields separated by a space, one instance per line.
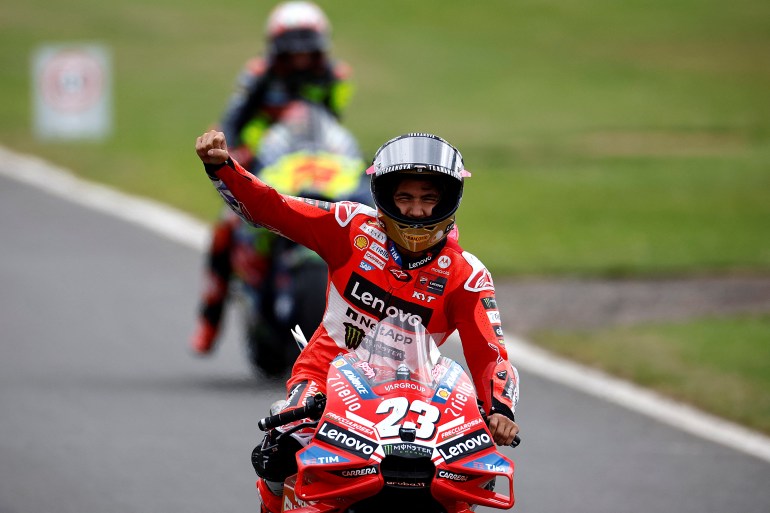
x=605 y=137
x=719 y=365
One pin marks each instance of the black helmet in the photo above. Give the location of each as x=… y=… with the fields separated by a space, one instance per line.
x=417 y=155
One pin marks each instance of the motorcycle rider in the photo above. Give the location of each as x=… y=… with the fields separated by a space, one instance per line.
x=297 y=67
x=395 y=260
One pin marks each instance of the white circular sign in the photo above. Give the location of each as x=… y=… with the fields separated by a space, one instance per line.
x=72 y=81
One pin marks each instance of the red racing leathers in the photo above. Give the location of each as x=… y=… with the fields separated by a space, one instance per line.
x=369 y=280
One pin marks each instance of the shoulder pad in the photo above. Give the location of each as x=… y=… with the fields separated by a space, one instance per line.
x=480 y=279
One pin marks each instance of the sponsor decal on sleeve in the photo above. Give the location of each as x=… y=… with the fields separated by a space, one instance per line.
x=489 y=303
x=365 y=267
x=494 y=316
x=323 y=205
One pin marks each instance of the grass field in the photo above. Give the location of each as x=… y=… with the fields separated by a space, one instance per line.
x=606 y=138
x=705 y=362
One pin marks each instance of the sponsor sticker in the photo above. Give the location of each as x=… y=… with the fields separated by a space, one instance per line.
x=489 y=303
x=444 y=261
x=361 y=242
x=465 y=445
x=343 y=439
x=431 y=283
x=374 y=259
x=314 y=455
x=400 y=274
x=374 y=233
x=373 y=300
x=381 y=252
x=494 y=316
x=365 y=267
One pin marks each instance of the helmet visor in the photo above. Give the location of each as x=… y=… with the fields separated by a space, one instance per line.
x=419 y=151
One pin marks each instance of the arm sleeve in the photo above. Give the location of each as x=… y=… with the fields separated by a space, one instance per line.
x=478 y=323
x=312 y=223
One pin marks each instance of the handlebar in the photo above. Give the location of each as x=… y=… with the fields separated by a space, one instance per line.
x=313 y=409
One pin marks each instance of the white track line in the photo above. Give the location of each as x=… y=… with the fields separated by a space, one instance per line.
x=189 y=231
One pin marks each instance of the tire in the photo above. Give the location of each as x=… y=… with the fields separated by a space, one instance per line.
x=271 y=348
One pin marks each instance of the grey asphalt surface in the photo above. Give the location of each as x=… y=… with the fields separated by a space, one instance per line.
x=103 y=409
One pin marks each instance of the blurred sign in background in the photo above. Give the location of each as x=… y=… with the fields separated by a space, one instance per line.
x=72 y=92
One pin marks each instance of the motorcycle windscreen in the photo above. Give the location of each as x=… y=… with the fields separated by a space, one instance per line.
x=397 y=349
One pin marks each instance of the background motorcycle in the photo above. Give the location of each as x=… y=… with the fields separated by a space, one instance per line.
x=401 y=429
x=309 y=154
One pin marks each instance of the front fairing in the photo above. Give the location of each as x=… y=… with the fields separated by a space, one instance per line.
x=375 y=414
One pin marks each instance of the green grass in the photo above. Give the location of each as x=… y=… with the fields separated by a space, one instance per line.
x=605 y=137
x=719 y=365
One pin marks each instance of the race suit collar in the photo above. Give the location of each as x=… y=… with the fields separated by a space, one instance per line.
x=408 y=261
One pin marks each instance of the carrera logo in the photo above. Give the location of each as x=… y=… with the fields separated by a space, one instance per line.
x=375 y=301
x=361 y=242
x=345 y=211
x=453 y=476
x=465 y=445
x=358 y=472
x=347 y=441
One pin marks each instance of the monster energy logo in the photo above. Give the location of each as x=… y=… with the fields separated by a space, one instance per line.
x=353 y=335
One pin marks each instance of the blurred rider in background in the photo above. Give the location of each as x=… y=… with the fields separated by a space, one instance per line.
x=297 y=67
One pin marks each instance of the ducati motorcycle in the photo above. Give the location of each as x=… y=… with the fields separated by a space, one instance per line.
x=400 y=429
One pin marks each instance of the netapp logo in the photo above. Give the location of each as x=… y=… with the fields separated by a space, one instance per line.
x=346 y=441
x=463 y=446
x=377 y=302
